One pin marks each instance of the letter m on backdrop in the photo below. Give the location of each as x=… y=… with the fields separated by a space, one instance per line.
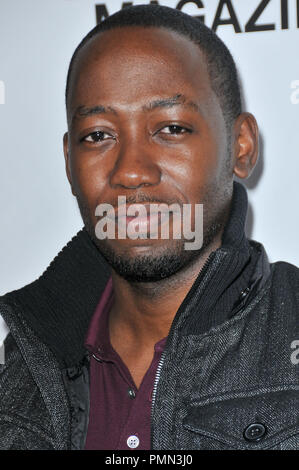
x=102 y=11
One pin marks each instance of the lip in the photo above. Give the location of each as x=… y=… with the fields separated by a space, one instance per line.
x=150 y=209
x=141 y=225
x=144 y=225
x=123 y=210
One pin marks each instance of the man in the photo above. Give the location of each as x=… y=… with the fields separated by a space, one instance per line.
x=140 y=343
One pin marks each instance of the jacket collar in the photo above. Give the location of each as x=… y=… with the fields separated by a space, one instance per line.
x=60 y=303
x=225 y=283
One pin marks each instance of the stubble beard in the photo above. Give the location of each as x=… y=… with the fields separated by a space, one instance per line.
x=163 y=260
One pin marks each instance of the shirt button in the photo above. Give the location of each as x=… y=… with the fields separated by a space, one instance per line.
x=254 y=432
x=131 y=393
x=133 y=442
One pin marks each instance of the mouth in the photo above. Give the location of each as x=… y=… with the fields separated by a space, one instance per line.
x=142 y=225
x=149 y=218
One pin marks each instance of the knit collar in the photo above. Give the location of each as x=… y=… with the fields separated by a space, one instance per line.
x=60 y=303
x=227 y=277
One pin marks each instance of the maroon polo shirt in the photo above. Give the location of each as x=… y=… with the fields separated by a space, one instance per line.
x=120 y=414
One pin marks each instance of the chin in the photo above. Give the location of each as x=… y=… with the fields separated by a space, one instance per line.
x=146 y=262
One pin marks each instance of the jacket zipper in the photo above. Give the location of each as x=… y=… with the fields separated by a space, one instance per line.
x=157 y=378
x=162 y=358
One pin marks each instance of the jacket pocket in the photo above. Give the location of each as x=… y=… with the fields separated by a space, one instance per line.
x=257 y=421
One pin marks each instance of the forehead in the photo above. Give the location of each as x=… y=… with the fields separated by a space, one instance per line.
x=129 y=64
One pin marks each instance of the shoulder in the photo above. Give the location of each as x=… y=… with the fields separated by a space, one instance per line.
x=286 y=277
x=284 y=292
x=287 y=267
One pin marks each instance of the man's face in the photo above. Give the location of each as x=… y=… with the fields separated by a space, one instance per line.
x=144 y=123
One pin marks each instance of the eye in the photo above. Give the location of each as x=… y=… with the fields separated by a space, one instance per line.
x=96 y=136
x=174 y=129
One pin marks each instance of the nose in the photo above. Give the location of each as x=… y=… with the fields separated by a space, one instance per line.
x=135 y=167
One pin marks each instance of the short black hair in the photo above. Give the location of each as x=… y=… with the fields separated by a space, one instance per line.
x=220 y=63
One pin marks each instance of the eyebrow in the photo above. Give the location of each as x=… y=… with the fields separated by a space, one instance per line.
x=176 y=100
x=85 y=111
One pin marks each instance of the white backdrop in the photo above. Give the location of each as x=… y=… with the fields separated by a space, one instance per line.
x=37 y=38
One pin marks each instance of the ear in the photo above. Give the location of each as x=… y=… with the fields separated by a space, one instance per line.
x=67 y=160
x=246 y=145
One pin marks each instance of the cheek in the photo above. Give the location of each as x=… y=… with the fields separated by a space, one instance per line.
x=88 y=177
x=88 y=190
x=195 y=168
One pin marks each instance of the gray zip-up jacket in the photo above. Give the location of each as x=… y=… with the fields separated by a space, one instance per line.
x=228 y=378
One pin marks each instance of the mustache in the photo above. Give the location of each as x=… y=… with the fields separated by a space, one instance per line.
x=142 y=198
